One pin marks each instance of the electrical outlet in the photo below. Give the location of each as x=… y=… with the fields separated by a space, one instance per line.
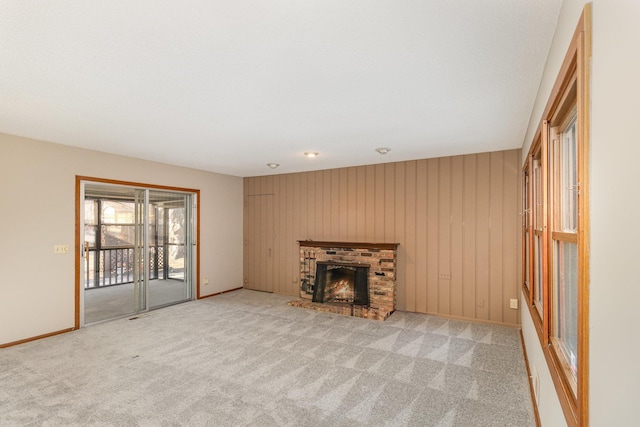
x=513 y=303
x=445 y=276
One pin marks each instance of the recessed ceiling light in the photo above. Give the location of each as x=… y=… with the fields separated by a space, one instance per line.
x=311 y=154
x=383 y=150
x=273 y=165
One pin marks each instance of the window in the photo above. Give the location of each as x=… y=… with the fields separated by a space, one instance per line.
x=526 y=230
x=555 y=224
x=538 y=234
x=564 y=260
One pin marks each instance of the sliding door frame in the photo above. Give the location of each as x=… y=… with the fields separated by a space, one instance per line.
x=79 y=247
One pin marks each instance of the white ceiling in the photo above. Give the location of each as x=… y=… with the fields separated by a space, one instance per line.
x=230 y=85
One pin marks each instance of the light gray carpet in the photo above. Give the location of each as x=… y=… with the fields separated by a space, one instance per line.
x=247 y=359
x=110 y=302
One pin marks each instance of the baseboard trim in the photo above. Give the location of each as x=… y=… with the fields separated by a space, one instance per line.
x=50 y=334
x=220 y=293
x=533 y=398
x=467 y=319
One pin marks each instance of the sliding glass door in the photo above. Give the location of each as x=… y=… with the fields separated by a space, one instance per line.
x=138 y=250
x=170 y=255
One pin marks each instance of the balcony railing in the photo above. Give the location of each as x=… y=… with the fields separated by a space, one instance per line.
x=115 y=266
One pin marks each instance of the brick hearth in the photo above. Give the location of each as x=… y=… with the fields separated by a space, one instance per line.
x=381 y=258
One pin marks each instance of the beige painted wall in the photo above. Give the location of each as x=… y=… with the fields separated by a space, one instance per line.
x=614 y=285
x=456 y=215
x=615 y=236
x=37 y=184
x=549 y=405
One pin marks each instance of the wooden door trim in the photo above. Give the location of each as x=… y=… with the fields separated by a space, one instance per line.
x=78 y=244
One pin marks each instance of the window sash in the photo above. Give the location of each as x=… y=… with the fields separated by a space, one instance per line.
x=538 y=283
x=564 y=333
x=568 y=190
x=564 y=280
x=538 y=202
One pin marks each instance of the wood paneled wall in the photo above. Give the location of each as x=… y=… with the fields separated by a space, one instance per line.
x=454 y=217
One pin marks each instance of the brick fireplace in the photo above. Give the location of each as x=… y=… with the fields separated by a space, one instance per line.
x=351 y=278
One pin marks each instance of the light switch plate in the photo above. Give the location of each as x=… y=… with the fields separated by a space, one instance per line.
x=61 y=249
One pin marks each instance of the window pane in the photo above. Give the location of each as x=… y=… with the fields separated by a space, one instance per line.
x=118 y=235
x=566 y=297
x=90 y=216
x=114 y=212
x=569 y=177
x=527 y=257
x=176 y=226
x=537 y=195
x=526 y=218
x=537 y=274
x=90 y=235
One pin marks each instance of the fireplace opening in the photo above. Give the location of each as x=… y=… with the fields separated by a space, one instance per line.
x=341 y=283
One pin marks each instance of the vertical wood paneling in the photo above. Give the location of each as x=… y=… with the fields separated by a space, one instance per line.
x=431 y=236
x=275 y=240
x=267 y=209
x=291 y=235
x=252 y=241
x=495 y=238
x=410 y=238
x=510 y=234
x=389 y=202
x=399 y=226
x=310 y=206
x=457 y=194
x=469 y=238
x=352 y=203
x=455 y=215
x=247 y=185
x=276 y=252
x=483 y=177
x=379 y=191
x=283 y=280
x=444 y=235
x=300 y=211
x=265 y=279
x=370 y=203
x=262 y=225
x=267 y=231
x=334 y=213
x=303 y=203
x=256 y=242
x=314 y=226
x=421 y=254
x=259 y=258
x=326 y=205
x=319 y=202
x=361 y=181
x=343 y=205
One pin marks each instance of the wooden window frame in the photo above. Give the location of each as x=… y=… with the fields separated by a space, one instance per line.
x=537 y=229
x=527 y=224
x=570 y=91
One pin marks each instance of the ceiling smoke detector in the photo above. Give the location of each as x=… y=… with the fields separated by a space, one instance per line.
x=273 y=165
x=383 y=150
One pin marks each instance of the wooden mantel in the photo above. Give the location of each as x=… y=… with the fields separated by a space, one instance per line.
x=348 y=245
